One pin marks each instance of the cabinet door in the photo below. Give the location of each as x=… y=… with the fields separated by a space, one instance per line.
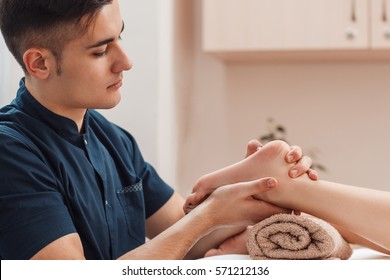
x=380 y=24
x=261 y=25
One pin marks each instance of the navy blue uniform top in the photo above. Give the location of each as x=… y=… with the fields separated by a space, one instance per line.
x=55 y=181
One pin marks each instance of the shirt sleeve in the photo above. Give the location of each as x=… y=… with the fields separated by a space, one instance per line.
x=33 y=213
x=156 y=191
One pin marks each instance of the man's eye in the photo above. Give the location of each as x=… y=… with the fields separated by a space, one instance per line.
x=100 y=54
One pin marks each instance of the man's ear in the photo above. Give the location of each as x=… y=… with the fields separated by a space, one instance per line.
x=39 y=62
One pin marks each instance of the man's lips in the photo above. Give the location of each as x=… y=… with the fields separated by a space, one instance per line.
x=117 y=85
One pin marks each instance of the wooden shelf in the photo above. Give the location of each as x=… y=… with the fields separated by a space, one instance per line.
x=317 y=56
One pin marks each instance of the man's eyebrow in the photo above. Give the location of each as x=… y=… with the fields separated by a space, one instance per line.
x=101 y=43
x=106 y=41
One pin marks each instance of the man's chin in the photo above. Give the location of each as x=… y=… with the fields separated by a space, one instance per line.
x=111 y=104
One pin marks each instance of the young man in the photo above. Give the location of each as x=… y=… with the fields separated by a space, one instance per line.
x=75 y=186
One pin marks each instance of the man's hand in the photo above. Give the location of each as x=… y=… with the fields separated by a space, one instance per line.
x=233 y=245
x=236 y=205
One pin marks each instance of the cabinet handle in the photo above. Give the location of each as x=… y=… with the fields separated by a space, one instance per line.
x=384 y=10
x=353 y=10
x=386 y=31
x=351 y=33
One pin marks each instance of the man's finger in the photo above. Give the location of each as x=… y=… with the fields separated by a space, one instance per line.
x=252 y=147
x=294 y=155
x=258 y=186
x=302 y=166
x=313 y=174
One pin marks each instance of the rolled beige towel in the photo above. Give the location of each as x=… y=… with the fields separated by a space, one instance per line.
x=291 y=237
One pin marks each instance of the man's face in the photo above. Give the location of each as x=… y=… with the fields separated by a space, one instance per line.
x=92 y=66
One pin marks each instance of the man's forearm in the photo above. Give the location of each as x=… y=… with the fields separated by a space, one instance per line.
x=173 y=243
x=213 y=240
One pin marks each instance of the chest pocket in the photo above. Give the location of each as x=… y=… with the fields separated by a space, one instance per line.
x=131 y=199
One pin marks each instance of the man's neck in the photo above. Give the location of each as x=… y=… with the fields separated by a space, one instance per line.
x=44 y=96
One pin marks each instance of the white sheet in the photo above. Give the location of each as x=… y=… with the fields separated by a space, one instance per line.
x=368 y=254
x=358 y=254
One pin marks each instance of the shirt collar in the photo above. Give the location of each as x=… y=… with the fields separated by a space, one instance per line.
x=62 y=125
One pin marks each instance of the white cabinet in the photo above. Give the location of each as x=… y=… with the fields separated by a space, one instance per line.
x=380 y=24
x=269 y=26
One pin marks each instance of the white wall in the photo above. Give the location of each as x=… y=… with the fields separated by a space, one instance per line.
x=340 y=109
x=4 y=73
x=10 y=74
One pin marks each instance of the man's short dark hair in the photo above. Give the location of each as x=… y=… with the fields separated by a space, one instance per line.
x=49 y=24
